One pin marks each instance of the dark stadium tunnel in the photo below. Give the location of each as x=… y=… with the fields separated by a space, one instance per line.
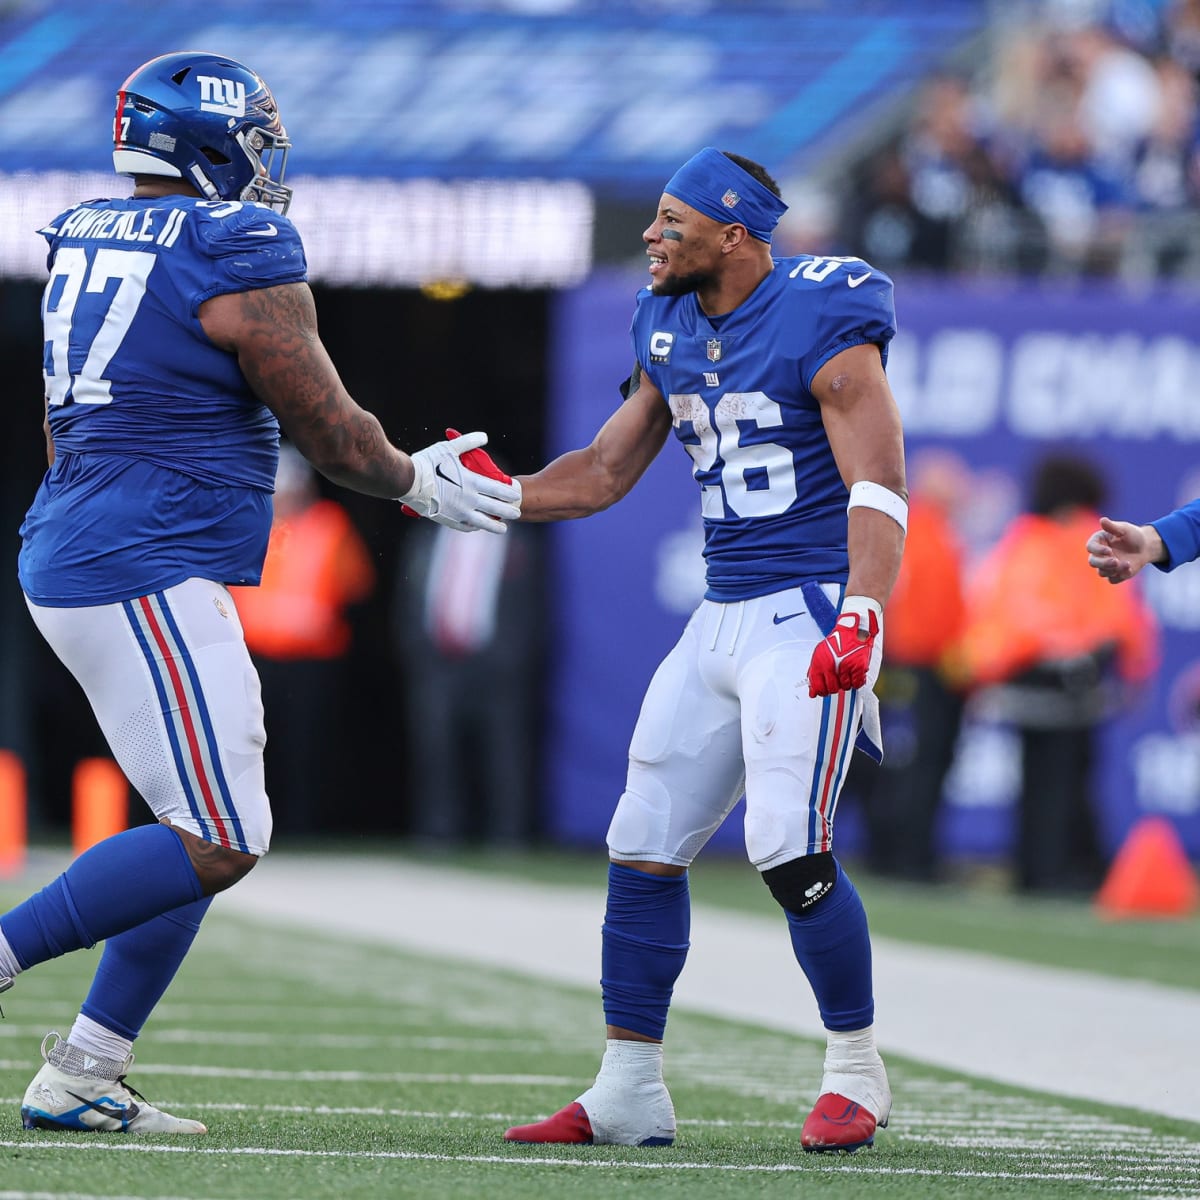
x=420 y=364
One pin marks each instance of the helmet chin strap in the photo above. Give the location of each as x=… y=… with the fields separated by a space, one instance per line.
x=207 y=189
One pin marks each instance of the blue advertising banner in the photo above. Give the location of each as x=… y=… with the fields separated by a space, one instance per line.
x=1001 y=373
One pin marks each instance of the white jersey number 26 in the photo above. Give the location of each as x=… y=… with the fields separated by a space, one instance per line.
x=757 y=480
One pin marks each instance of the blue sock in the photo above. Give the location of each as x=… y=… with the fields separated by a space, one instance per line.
x=645 y=939
x=137 y=967
x=833 y=947
x=120 y=882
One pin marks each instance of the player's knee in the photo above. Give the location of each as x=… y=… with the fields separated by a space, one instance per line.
x=222 y=868
x=217 y=867
x=801 y=884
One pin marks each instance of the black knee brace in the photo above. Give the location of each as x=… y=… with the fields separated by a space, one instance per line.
x=802 y=883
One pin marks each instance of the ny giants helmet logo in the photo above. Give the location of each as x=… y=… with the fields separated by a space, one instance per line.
x=226 y=96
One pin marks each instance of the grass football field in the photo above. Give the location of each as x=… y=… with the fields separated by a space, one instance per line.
x=325 y=1067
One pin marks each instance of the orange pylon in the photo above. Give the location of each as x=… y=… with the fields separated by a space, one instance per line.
x=1151 y=875
x=13 y=819
x=99 y=802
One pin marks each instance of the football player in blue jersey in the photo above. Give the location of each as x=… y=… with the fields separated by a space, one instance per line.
x=180 y=334
x=770 y=372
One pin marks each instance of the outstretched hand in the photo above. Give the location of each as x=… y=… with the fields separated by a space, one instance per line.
x=456 y=483
x=1118 y=550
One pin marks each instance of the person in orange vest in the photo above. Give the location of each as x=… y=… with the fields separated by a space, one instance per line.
x=921 y=689
x=1058 y=650
x=296 y=627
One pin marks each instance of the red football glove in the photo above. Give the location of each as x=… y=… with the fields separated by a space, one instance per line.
x=479 y=461
x=842 y=661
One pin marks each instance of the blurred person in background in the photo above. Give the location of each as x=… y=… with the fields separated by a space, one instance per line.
x=180 y=334
x=770 y=372
x=1057 y=651
x=921 y=685
x=1166 y=184
x=938 y=194
x=1083 y=203
x=297 y=628
x=469 y=622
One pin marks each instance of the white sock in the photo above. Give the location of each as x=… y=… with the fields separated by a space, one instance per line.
x=9 y=967
x=854 y=1069
x=629 y=1102
x=633 y=1062
x=847 y=1049
x=92 y=1038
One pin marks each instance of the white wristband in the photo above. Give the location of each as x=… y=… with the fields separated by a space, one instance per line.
x=865 y=494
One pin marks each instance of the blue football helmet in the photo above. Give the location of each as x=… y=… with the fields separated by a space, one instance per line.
x=207 y=119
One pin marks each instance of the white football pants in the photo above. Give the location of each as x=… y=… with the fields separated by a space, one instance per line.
x=728 y=709
x=171 y=683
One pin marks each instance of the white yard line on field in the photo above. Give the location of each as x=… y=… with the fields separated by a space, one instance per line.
x=1074 y=1033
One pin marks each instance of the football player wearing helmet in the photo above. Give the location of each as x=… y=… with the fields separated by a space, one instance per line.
x=180 y=336
x=771 y=373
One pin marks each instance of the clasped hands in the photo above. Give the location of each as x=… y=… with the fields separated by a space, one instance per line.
x=457 y=483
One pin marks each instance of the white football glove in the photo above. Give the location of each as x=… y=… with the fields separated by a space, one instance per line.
x=448 y=492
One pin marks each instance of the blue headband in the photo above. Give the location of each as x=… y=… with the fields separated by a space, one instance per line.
x=716 y=186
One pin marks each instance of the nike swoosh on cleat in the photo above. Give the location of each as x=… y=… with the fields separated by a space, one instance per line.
x=442 y=475
x=854 y=280
x=778 y=620
x=271 y=231
x=127 y=1113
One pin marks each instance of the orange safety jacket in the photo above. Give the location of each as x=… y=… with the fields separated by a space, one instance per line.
x=316 y=565
x=925 y=615
x=1036 y=600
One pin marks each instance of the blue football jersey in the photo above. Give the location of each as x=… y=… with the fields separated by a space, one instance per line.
x=164 y=458
x=773 y=503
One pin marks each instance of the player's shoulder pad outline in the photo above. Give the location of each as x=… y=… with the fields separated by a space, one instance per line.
x=808 y=272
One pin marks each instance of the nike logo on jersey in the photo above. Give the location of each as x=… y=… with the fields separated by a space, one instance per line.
x=855 y=280
x=271 y=231
x=778 y=620
x=115 y=1112
x=442 y=475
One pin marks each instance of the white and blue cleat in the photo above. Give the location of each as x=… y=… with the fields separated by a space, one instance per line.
x=77 y=1092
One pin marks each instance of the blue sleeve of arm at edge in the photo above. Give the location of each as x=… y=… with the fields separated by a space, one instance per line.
x=1180 y=532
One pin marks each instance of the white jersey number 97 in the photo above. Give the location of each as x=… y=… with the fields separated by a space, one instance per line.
x=130 y=268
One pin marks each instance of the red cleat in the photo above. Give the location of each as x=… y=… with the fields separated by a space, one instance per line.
x=836 y=1123
x=569 y=1126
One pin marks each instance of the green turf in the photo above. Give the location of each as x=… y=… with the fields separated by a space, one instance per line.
x=326 y=1068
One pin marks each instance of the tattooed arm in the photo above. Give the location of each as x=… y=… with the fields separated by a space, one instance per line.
x=273 y=332
x=582 y=482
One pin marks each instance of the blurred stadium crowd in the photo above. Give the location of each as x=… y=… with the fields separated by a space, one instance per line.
x=1068 y=146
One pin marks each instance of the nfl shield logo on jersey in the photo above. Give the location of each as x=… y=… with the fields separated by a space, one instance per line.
x=714 y=350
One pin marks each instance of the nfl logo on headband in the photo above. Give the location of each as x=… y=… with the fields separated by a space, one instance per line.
x=730 y=198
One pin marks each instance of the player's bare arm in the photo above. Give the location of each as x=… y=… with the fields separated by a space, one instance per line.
x=273 y=332
x=863 y=425
x=586 y=481
x=49 y=435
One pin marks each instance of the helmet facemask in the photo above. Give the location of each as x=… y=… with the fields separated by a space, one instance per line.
x=268 y=152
